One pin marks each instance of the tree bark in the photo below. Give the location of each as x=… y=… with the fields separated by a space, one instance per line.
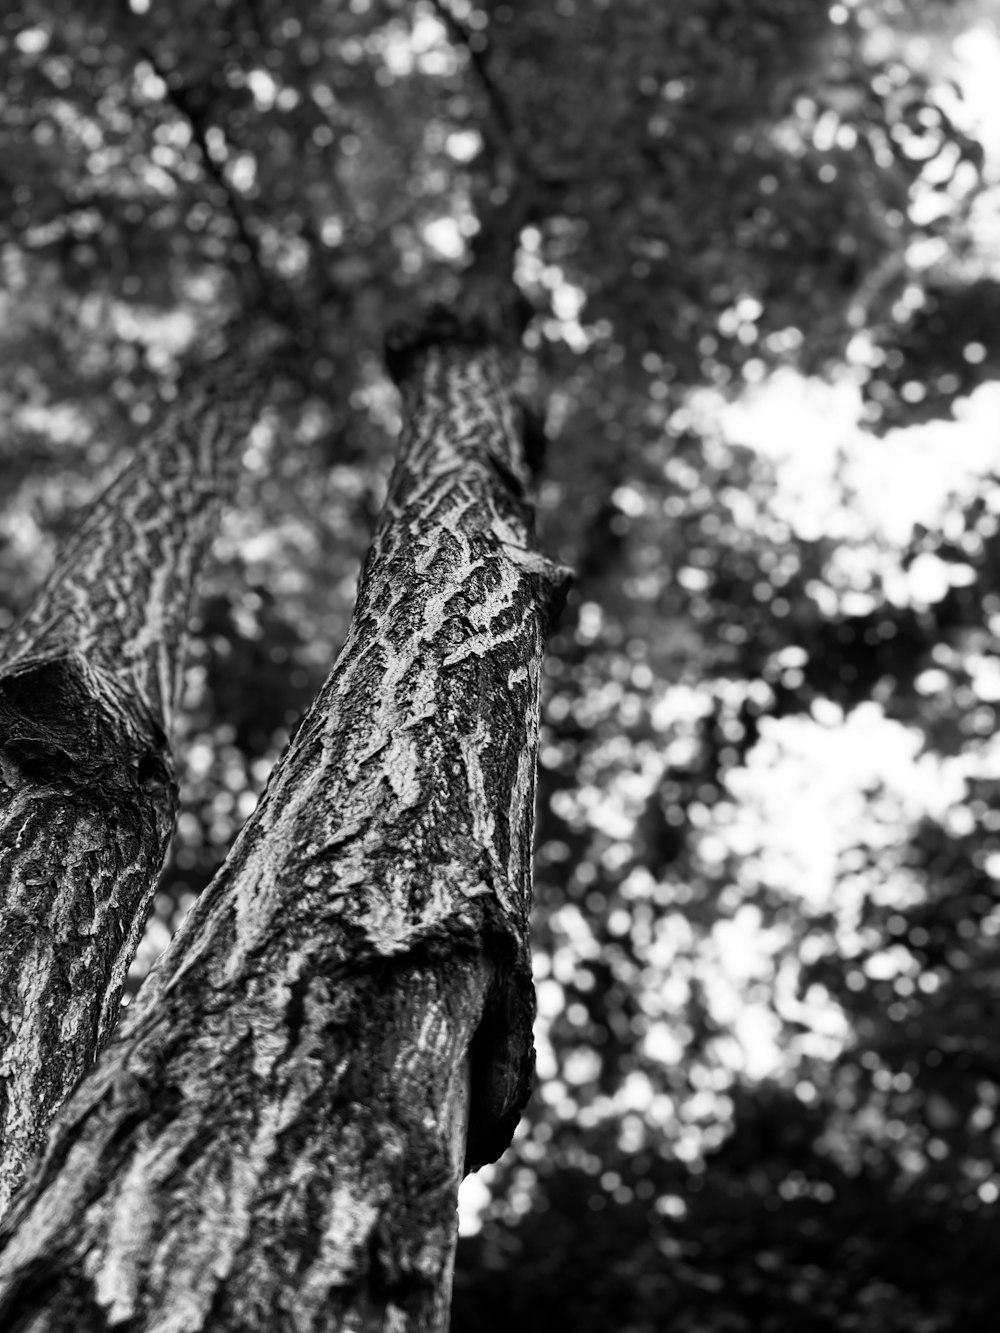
x=275 y=1138
x=88 y=685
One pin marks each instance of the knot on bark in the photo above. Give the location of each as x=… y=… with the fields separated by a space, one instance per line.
x=55 y=733
x=501 y=1064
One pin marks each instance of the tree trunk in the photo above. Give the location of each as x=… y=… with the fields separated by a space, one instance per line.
x=276 y=1137
x=88 y=684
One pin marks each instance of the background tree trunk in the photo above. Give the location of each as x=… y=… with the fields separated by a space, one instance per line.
x=276 y=1137
x=88 y=685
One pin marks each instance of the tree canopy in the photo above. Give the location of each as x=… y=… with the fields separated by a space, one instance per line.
x=768 y=1075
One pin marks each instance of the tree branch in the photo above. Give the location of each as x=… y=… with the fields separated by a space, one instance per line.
x=90 y=680
x=499 y=106
x=260 y=291
x=496 y=242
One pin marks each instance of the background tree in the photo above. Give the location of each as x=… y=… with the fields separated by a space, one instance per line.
x=757 y=187
x=88 y=691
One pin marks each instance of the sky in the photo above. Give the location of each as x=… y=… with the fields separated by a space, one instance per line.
x=800 y=797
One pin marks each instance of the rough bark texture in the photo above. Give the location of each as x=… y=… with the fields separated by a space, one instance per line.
x=275 y=1138
x=88 y=684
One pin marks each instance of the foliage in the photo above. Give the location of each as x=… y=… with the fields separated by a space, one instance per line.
x=699 y=196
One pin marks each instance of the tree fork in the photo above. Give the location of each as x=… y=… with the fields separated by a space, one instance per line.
x=89 y=681
x=275 y=1137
